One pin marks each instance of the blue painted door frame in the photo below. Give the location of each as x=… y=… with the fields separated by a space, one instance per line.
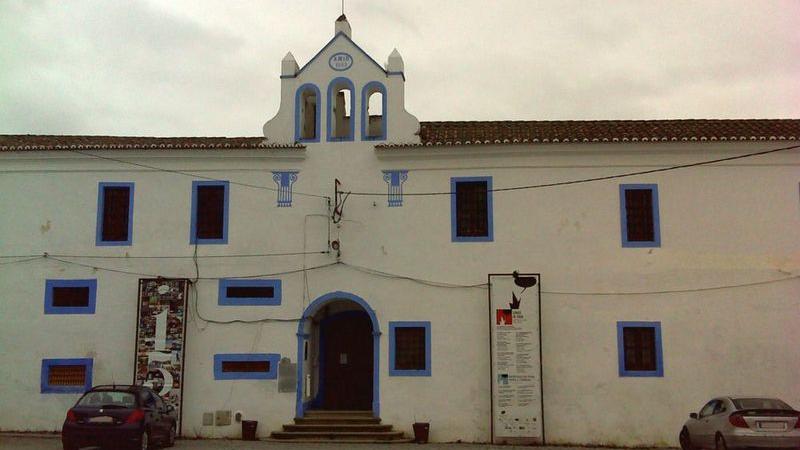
x=303 y=336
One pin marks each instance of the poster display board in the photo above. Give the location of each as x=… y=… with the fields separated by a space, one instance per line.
x=514 y=305
x=161 y=338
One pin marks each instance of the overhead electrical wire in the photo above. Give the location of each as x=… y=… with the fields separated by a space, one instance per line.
x=593 y=179
x=193 y=175
x=250 y=255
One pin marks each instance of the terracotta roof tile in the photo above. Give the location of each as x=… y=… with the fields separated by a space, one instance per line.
x=464 y=133
x=573 y=131
x=16 y=142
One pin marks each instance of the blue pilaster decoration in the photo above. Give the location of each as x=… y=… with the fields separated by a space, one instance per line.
x=285 y=180
x=395 y=179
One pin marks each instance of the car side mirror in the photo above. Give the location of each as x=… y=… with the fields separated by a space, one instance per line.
x=693 y=415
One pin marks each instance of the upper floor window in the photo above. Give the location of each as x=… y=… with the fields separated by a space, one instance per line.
x=70 y=296
x=471 y=209
x=307 y=100
x=341 y=110
x=246 y=366
x=373 y=111
x=639 y=215
x=114 y=214
x=209 y=212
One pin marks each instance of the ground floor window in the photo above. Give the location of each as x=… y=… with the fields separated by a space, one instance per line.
x=410 y=348
x=639 y=346
x=246 y=366
x=64 y=376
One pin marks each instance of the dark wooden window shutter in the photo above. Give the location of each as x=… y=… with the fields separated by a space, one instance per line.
x=67 y=375
x=245 y=366
x=640 y=348
x=639 y=214
x=116 y=204
x=409 y=348
x=472 y=209
x=210 y=212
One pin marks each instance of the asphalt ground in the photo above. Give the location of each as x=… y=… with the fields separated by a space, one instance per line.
x=13 y=442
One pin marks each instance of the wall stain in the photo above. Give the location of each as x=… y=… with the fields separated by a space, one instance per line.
x=46 y=227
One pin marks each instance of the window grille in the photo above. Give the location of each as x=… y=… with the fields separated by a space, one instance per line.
x=640 y=348
x=210 y=212
x=245 y=366
x=409 y=348
x=67 y=375
x=116 y=204
x=472 y=216
x=639 y=214
x=71 y=296
x=250 y=292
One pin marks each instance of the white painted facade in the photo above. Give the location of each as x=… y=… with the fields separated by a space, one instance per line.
x=726 y=224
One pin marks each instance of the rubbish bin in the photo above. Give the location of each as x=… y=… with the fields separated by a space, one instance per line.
x=421 y=431
x=249 y=430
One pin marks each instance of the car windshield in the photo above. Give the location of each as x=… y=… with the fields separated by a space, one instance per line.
x=108 y=399
x=760 y=403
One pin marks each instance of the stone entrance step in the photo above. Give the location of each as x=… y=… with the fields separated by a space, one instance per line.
x=339 y=426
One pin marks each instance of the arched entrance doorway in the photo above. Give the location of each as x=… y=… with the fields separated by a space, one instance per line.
x=338 y=341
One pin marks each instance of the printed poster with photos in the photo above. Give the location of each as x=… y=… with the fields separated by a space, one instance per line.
x=516 y=362
x=161 y=338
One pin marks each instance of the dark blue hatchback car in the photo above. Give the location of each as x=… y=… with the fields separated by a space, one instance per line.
x=119 y=417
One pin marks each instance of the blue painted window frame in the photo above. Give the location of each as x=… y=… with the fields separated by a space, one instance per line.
x=426 y=372
x=273 y=359
x=298 y=98
x=329 y=110
x=489 y=210
x=49 y=308
x=369 y=89
x=100 y=209
x=225 y=283
x=46 y=388
x=659 y=372
x=656 y=242
x=193 y=230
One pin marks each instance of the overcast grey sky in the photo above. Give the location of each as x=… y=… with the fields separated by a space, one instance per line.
x=210 y=68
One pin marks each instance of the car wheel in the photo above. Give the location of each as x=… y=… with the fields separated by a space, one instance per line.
x=685 y=440
x=719 y=443
x=145 y=441
x=171 y=437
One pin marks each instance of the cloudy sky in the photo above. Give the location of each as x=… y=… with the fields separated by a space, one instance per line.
x=210 y=68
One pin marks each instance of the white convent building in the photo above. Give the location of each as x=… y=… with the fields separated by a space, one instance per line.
x=349 y=259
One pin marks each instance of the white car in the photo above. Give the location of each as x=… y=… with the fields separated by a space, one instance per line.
x=735 y=422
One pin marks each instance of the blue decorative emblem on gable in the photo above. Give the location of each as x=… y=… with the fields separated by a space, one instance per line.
x=340 y=61
x=395 y=179
x=285 y=180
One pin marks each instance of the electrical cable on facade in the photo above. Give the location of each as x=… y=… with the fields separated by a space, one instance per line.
x=193 y=175
x=251 y=255
x=589 y=180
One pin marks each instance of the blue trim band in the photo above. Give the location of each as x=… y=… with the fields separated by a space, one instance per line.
x=49 y=285
x=454 y=217
x=336 y=83
x=426 y=372
x=396 y=73
x=659 y=372
x=371 y=88
x=101 y=209
x=46 y=388
x=225 y=283
x=656 y=242
x=193 y=231
x=272 y=358
x=298 y=98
